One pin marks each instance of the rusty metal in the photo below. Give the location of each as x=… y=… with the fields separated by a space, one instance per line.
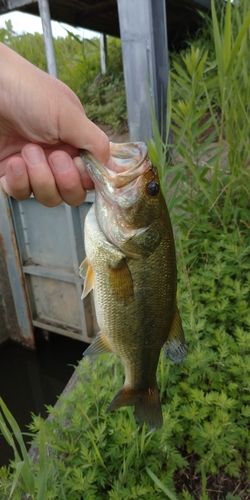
x=18 y=306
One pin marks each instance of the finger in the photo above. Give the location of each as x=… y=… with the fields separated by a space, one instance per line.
x=16 y=180
x=96 y=141
x=87 y=182
x=67 y=178
x=41 y=178
x=76 y=129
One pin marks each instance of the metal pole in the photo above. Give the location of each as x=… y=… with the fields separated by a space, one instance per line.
x=103 y=50
x=161 y=63
x=48 y=38
x=143 y=28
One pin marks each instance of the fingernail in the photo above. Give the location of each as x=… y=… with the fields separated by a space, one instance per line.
x=61 y=163
x=17 y=169
x=80 y=165
x=33 y=155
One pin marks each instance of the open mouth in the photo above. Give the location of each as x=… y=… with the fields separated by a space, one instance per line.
x=128 y=156
x=130 y=162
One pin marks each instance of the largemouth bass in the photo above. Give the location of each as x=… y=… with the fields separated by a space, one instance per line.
x=131 y=266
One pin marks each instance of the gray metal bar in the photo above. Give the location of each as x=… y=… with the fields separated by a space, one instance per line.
x=47 y=272
x=76 y=249
x=145 y=60
x=47 y=35
x=58 y=323
x=61 y=331
x=15 y=272
x=161 y=64
x=103 y=51
x=74 y=234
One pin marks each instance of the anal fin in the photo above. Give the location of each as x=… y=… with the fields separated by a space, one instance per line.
x=175 y=346
x=98 y=346
x=147 y=405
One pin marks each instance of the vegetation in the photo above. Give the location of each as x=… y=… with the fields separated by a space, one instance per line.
x=202 y=451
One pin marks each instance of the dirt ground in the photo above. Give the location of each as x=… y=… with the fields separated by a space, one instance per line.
x=113 y=135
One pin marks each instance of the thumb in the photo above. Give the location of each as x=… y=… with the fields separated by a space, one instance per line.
x=77 y=130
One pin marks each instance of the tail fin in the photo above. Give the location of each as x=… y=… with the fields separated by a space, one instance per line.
x=147 y=405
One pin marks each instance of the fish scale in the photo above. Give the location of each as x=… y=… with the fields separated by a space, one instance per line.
x=131 y=266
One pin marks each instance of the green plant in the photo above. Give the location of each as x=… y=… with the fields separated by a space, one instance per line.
x=207 y=176
x=22 y=470
x=161 y=485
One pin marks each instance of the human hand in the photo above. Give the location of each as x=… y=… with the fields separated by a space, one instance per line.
x=42 y=127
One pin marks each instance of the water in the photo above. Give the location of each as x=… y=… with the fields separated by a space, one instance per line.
x=31 y=380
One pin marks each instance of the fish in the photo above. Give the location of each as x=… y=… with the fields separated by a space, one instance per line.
x=130 y=265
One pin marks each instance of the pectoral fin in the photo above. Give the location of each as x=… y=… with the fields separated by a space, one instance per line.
x=175 y=346
x=120 y=279
x=143 y=243
x=86 y=272
x=99 y=345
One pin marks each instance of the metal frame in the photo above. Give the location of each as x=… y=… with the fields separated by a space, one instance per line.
x=103 y=53
x=47 y=36
x=15 y=272
x=42 y=269
x=143 y=29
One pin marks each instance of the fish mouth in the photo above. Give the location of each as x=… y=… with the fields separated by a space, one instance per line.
x=131 y=159
x=117 y=191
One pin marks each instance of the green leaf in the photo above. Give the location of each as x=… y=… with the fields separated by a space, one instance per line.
x=42 y=485
x=25 y=468
x=18 y=467
x=161 y=485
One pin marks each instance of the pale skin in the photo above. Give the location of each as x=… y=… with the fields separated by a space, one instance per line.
x=42 y=127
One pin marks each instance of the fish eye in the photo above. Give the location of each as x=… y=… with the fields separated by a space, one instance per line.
x=153 y=188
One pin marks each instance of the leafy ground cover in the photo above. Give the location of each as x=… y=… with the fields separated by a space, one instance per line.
x=202 y=451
